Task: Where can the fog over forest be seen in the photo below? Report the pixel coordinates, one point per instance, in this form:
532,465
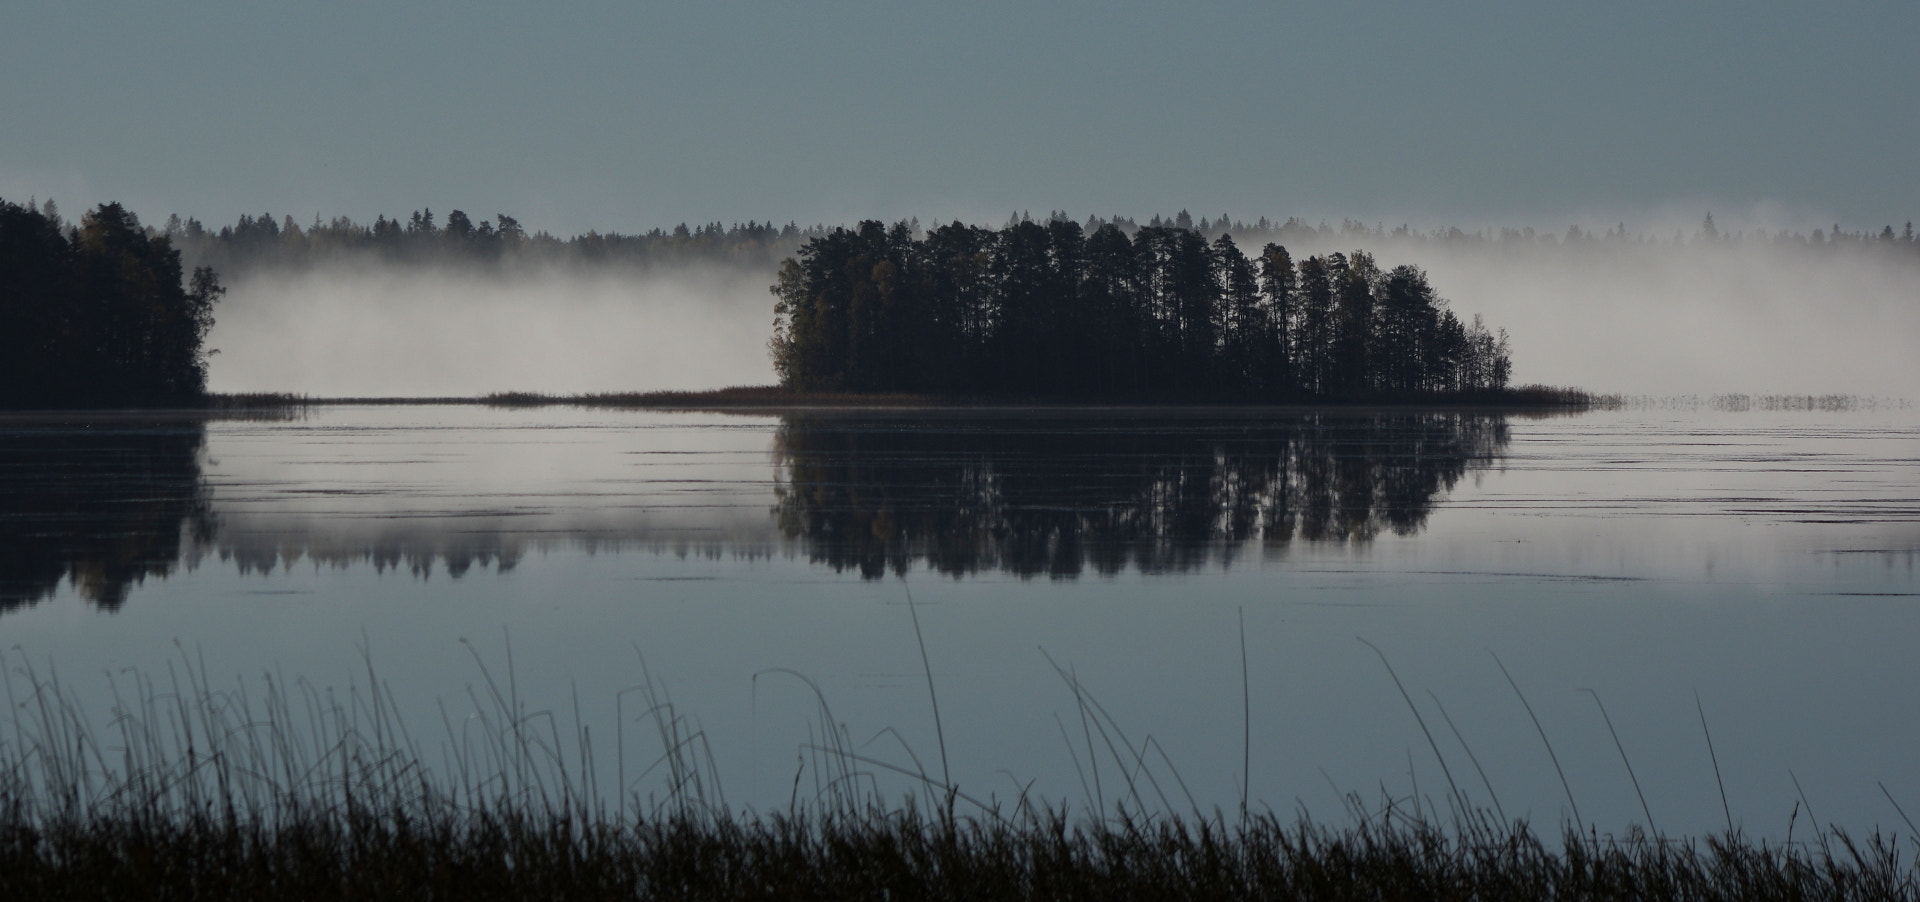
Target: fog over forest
1672,310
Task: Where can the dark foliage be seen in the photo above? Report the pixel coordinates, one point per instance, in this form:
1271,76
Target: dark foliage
963,494
98,315
1047,310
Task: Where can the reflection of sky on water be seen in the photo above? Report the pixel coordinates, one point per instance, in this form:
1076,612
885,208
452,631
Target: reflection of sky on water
1762,559
445,490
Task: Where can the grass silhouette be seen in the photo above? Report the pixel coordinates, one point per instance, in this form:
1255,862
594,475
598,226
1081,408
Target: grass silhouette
289,791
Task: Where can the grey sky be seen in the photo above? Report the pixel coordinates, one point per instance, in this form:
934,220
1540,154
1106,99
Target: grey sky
626,116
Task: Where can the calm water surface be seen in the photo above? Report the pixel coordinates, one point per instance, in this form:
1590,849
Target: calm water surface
1762,562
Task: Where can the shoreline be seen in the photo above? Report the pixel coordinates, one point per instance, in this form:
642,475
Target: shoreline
743,398
1532,399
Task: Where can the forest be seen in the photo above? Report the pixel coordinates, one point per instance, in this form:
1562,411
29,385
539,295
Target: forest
1048,310
97,315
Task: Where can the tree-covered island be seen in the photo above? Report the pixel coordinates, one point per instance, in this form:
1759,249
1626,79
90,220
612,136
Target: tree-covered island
101,313
1049,311
98,315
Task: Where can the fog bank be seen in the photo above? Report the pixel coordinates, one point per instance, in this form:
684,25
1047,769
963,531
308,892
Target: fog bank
1661,319
1636,318
387,330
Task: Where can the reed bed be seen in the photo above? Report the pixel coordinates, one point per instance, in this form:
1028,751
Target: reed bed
897,854
287,791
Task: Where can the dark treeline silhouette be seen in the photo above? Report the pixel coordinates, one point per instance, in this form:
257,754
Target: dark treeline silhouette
1295,231
281,241
96,315
268,242
98,503
1041,496
1049,310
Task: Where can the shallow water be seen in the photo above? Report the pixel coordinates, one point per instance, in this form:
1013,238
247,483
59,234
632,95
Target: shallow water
1760,561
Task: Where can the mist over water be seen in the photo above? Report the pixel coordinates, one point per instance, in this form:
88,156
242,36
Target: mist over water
1745,320
1655,318
399,330
1765,559
1661,319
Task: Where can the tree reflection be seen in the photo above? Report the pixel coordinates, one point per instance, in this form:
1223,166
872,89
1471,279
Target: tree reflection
1037,496
100,503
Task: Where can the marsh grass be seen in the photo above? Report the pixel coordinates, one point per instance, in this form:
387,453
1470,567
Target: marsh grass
284,790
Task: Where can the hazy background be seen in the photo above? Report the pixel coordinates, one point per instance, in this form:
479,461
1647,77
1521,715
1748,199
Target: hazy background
627,117
621,116
1655,320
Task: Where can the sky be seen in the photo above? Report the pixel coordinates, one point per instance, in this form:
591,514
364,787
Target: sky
630,116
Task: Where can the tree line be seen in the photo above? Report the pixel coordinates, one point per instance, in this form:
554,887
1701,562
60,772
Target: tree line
98,314
1297,231
267,241
1049,310
282,241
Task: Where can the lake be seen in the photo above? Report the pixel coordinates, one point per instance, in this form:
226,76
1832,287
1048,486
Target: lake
1158,608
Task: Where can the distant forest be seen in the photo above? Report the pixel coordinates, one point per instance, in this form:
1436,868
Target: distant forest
98,314
1049,310
280,241
114,312
267,242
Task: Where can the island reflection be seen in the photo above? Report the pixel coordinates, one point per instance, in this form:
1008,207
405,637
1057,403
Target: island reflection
96,505
1049,495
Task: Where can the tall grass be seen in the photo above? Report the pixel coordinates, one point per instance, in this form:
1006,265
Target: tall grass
281,789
